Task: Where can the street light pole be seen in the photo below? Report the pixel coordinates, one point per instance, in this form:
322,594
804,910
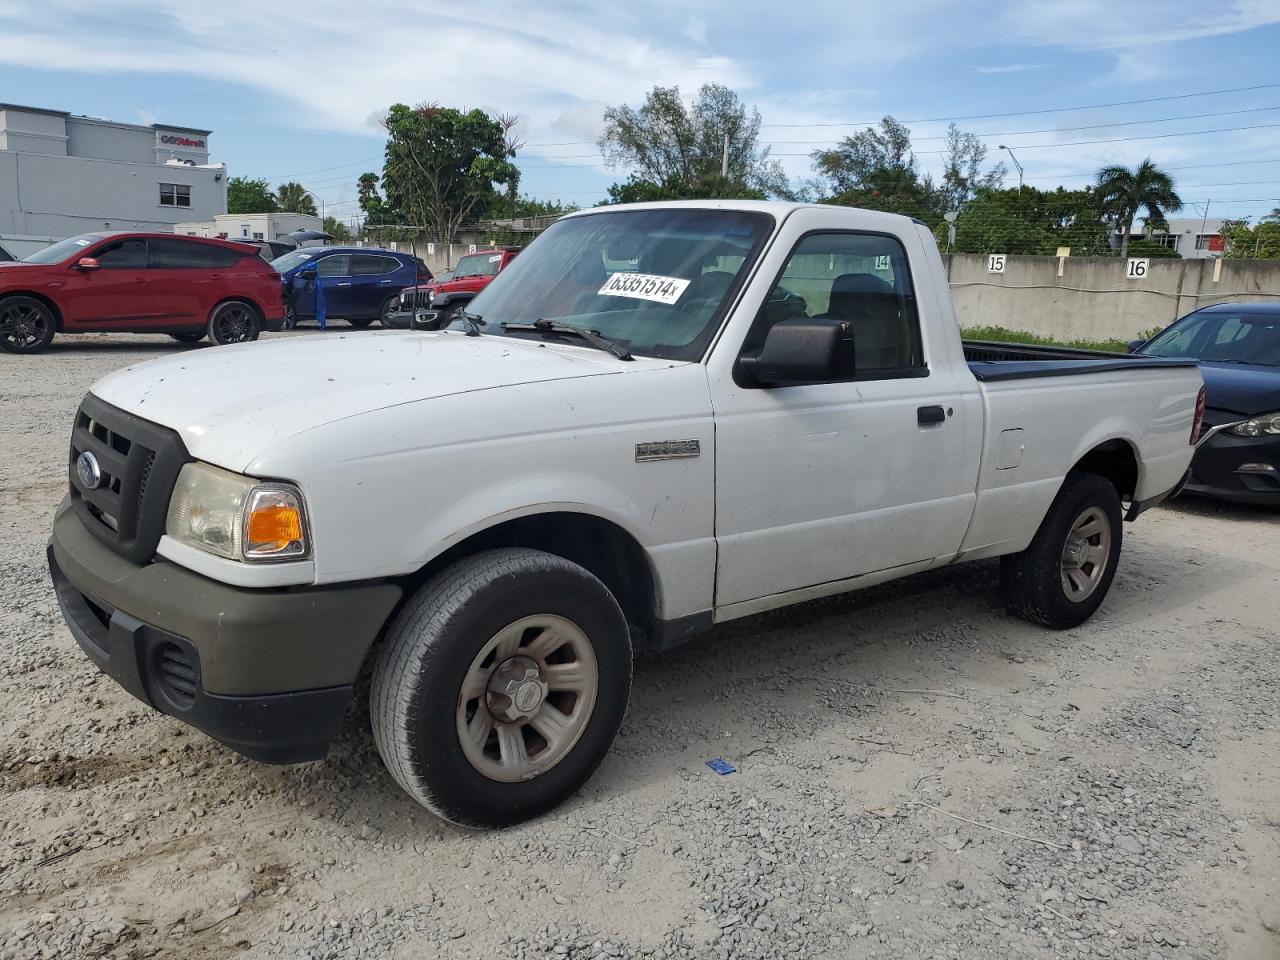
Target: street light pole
1015,163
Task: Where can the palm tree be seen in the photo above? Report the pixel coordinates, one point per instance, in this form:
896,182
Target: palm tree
293,198
1273,216
1124,192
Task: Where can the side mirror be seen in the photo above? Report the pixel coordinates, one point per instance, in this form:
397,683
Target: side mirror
425,320
1135,345
88,263
802,351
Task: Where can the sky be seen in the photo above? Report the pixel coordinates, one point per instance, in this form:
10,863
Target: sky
293,93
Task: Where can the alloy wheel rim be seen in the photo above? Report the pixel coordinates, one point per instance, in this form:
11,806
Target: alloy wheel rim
1085,554
22,325
527,698
234,325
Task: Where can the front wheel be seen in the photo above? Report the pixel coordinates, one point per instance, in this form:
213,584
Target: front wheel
26,325
194,336
388,305
1064,575
234,322
501,685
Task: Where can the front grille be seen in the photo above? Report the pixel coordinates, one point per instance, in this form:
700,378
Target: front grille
176,673
415,299
138,462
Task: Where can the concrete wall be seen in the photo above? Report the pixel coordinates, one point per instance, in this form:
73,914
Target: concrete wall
1093,299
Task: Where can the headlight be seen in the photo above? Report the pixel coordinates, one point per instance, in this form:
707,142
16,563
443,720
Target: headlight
237,517
1267,425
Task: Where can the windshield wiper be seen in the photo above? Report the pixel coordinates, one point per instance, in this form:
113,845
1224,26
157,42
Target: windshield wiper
590,336
473,321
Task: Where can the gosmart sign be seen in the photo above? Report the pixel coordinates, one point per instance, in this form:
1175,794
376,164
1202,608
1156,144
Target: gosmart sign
177,140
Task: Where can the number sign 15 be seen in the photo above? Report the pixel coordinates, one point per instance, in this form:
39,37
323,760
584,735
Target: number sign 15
995,262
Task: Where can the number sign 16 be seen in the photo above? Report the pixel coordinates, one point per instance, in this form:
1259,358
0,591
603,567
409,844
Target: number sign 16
1137,268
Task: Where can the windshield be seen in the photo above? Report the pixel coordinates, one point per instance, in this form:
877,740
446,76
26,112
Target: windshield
62,250
655,281
478,265
290,260
1221,336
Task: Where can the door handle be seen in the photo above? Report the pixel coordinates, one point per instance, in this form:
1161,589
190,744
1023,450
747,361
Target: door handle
342,284
930,415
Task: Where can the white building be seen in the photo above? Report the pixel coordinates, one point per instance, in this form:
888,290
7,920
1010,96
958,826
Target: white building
250,226
62,174
1195,239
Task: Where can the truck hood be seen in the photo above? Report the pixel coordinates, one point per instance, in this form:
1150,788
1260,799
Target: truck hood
231,403
1248,389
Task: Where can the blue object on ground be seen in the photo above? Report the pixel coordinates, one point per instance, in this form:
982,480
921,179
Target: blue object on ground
722,767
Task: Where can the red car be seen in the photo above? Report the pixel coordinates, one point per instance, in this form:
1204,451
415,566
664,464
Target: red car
187,287
451,292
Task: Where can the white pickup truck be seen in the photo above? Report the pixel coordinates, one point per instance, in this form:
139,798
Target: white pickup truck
661,417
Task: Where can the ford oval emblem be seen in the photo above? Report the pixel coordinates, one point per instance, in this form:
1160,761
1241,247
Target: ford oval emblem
88,471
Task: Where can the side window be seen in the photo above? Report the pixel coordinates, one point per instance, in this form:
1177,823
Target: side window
368,265
128,254
859,278
335,266
178,255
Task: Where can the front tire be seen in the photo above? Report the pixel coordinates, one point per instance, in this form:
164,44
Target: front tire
192,337
234,322
1062,578
388,305
500,687
26,325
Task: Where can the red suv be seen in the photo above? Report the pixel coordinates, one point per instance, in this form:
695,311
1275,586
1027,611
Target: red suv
187,287
451,292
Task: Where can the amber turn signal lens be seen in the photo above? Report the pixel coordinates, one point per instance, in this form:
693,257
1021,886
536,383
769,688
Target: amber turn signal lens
276,525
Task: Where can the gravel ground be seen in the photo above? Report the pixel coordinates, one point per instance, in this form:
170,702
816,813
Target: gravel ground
919,776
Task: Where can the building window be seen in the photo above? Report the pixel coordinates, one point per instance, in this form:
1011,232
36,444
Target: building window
244,230
1169,240
175,195
1208,241
257,235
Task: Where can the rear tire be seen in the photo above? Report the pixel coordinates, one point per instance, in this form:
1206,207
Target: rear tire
445,674
234,322
26,325
192,337
1062,578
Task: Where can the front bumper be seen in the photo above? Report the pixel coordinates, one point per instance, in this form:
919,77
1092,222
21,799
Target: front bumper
269,673
1234,468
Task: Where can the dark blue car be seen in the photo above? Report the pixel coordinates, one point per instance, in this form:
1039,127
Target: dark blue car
1238,346
361,284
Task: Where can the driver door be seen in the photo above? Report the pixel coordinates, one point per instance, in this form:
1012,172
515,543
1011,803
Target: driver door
116,293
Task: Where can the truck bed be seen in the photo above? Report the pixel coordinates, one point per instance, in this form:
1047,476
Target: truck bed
992,361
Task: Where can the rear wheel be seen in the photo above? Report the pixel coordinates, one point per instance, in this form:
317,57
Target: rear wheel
26,325
1064,575
234,322
501,686
388,305
192,337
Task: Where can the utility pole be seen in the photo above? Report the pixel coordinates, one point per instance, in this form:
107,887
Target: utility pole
724,159
1205,219
1016,164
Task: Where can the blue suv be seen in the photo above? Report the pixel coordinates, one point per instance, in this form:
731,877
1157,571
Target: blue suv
361,284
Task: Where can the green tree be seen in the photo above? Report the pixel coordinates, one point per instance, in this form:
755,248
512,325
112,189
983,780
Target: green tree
293,197
666,141
1243,242
442,164
522,207
336,228
636,189
376,210
245,195
962,174
876,169
1031,222
1125,192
